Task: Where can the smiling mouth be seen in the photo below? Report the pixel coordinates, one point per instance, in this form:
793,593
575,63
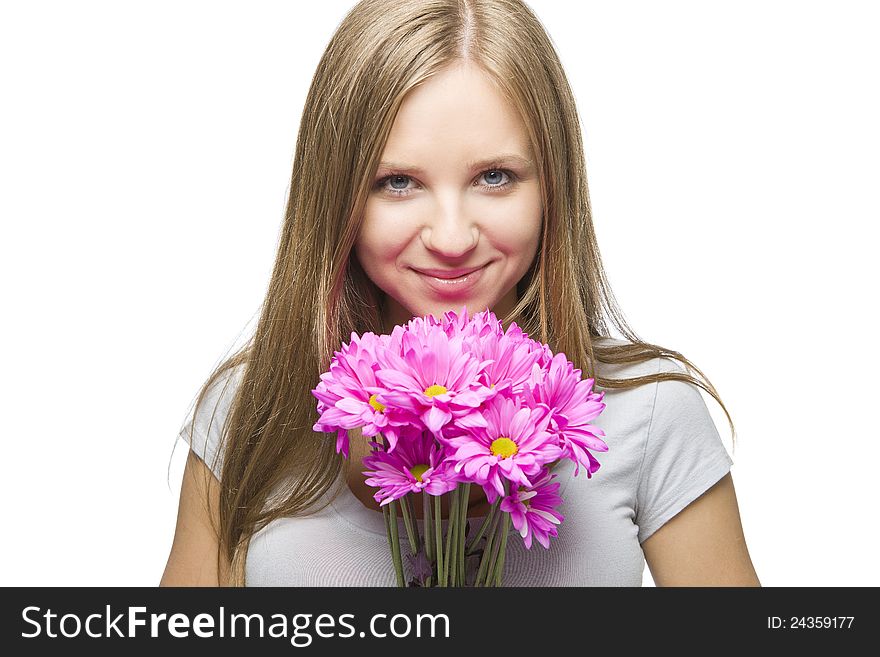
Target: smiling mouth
441,275
456,285
450,281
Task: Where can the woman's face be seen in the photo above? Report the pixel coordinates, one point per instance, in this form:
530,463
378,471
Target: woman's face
457,190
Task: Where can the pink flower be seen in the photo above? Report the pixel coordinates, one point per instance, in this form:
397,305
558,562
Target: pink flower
514,445
480,324
532,510
460,399
431,377
416,464
348,395
512,355
559,386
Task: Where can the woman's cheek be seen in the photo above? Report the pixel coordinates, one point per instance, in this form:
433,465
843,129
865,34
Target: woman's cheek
377,249
383,220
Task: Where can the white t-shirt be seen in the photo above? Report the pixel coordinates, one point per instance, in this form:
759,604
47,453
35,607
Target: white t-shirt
664,451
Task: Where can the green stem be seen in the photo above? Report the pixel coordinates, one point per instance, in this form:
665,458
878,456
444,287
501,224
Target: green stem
395,544
427,520
386,515
484,559
411,532
410,505
449,562
438,537
483,527
499,570
500,530
449,566
496,542
462,534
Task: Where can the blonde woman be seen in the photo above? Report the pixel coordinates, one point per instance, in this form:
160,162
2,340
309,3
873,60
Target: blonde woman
439,164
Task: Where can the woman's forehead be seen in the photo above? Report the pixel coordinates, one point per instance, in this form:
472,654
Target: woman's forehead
458,113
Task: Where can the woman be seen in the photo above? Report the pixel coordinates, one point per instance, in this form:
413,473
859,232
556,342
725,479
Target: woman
439,164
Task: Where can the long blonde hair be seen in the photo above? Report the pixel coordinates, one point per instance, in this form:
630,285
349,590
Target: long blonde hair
274,465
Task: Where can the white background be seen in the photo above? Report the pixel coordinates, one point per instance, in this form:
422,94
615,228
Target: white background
145,153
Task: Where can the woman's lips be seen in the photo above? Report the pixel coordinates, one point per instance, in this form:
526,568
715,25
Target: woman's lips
448,273
448,284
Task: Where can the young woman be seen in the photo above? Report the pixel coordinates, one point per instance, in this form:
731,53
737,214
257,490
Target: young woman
439,164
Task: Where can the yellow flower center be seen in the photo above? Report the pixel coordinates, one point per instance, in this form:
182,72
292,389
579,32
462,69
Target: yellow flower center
418,470
503,447
375,404
434,390
492,386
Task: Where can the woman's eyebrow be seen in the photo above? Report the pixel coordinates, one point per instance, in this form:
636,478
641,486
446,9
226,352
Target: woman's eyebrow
498,160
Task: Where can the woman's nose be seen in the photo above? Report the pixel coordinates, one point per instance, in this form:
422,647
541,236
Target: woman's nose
450,233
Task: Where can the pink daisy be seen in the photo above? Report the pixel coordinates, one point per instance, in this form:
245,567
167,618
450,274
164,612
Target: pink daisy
348,395
514,445
430,376
512,353
560,387
532,510
479,324
416,464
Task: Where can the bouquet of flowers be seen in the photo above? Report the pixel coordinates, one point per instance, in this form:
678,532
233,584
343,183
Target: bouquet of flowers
457,402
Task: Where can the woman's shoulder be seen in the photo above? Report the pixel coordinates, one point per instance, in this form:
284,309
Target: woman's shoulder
629,370
226,381
203,429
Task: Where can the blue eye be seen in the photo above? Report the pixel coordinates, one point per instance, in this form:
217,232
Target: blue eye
397,179
495,177
494,173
